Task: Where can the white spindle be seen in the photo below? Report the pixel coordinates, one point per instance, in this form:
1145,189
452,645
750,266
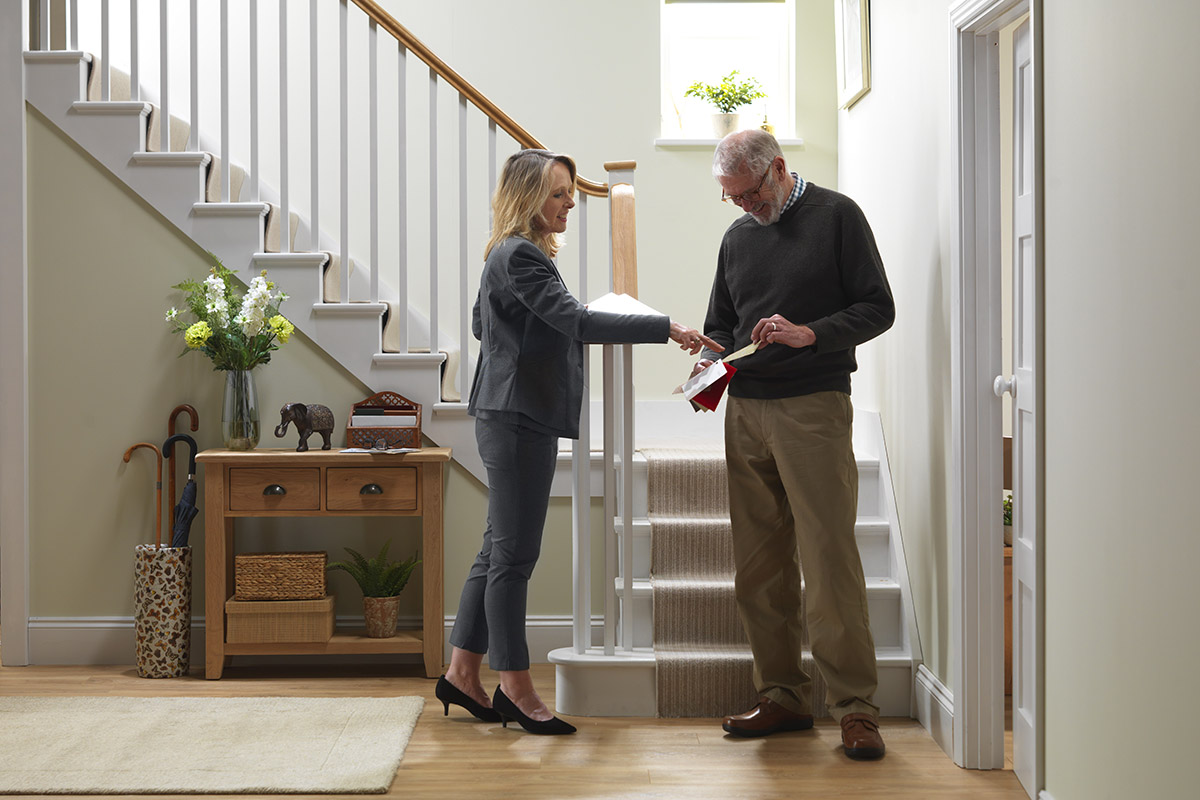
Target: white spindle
581,494
627,611
344,67
285,205
164,75
43,24
74,24
194,79
491,164
225,170
251,189
463,285
373,125
135,91
610,507
105,69
402,191
433,213
581,509
314,139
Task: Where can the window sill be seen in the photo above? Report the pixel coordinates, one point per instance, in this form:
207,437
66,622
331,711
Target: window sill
679,143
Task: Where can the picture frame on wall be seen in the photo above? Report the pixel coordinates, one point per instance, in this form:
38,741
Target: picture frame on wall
852,27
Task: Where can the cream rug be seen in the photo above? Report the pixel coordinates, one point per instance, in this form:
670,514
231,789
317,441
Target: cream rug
202,745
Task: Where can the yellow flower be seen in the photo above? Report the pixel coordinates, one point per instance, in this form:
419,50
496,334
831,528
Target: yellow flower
197,335
281,327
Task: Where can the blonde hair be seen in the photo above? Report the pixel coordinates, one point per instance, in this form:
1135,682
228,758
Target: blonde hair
525,183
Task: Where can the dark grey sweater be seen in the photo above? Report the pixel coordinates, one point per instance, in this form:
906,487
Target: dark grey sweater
817,266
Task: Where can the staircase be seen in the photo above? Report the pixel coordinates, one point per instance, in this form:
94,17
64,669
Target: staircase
404,328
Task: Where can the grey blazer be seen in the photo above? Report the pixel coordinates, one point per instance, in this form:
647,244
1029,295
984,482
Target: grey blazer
532,332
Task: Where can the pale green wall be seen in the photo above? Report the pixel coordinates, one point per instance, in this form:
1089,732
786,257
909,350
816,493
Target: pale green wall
895,162
104,374
1121,108
1122,379
582,76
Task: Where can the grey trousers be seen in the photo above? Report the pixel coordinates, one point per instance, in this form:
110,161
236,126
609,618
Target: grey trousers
491,611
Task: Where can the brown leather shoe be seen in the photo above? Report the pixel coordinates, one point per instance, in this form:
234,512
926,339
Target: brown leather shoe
860,735
765,718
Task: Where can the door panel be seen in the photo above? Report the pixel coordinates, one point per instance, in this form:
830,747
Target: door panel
1027,576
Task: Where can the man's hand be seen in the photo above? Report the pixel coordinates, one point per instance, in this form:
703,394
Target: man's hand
701,365
775,329
692,340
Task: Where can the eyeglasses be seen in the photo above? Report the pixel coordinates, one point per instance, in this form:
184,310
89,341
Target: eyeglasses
738,199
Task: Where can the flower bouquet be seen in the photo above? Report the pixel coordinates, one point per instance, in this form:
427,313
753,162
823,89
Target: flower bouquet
238,334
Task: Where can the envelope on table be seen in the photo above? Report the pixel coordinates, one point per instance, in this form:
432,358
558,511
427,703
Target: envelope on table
706,388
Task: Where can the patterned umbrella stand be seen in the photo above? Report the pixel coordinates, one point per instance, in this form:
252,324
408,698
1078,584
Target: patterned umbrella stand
162,599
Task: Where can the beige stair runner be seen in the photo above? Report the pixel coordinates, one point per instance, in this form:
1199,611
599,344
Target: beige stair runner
704,666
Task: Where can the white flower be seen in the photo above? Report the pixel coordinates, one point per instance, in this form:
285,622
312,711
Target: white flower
215,305
172,313
252,317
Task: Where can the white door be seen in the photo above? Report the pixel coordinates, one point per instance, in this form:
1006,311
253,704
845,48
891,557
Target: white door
1027,534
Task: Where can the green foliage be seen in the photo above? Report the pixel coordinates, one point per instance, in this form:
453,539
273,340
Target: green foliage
1008,509
729,94
378,577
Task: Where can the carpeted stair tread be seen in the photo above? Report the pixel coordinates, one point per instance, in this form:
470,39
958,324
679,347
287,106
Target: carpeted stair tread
687,481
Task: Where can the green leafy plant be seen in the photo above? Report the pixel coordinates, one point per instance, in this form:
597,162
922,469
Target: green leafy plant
378,577
729,94
1008,509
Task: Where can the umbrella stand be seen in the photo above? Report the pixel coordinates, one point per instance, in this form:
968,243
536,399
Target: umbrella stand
162,598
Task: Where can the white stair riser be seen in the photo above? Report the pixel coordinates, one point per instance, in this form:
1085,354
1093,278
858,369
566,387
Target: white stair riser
609,687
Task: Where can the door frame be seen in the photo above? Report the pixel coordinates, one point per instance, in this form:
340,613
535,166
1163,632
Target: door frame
977,563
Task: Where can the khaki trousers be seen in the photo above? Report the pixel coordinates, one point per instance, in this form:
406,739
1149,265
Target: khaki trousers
793,499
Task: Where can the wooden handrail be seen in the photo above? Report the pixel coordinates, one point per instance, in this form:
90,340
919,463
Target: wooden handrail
418,48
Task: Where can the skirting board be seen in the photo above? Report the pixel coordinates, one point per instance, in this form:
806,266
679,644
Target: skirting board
935,708
110,640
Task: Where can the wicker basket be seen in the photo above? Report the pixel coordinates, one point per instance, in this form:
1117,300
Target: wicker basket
384,438
279,576
279,621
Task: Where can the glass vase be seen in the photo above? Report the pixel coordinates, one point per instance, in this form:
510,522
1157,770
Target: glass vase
239,412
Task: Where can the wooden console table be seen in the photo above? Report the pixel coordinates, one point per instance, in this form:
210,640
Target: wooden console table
321,483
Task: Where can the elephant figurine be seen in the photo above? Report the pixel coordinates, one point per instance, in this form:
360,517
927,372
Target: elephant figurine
308,418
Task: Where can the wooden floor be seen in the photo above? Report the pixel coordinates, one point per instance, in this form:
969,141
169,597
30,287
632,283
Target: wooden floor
453,757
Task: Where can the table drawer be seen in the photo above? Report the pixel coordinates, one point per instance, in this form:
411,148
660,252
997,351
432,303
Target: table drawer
372,488
274,489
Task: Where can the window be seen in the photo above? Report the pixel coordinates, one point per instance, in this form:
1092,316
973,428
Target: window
704,40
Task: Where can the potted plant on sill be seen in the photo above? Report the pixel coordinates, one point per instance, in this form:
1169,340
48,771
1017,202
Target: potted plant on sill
1008,501
727,96
381,582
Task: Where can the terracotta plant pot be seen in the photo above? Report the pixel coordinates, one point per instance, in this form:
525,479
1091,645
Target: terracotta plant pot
380,614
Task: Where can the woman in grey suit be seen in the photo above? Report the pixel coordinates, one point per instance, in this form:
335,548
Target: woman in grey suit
527,393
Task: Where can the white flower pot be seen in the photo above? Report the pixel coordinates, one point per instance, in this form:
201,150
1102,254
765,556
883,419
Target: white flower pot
724,124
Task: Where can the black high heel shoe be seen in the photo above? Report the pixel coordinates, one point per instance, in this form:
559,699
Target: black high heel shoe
448,693
509,711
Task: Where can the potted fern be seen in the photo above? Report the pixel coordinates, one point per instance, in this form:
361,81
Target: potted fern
727,96
381,582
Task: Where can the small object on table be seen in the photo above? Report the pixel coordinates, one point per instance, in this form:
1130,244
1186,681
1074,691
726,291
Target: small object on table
384,421
308,418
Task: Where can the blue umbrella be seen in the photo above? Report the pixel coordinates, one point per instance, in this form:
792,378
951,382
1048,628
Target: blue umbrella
185,509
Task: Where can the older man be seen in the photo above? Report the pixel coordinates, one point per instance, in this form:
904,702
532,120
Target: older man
800,275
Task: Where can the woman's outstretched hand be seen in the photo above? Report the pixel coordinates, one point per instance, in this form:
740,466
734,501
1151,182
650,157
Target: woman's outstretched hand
692,340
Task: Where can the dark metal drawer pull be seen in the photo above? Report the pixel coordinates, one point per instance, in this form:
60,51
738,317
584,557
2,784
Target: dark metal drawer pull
274,488
371,488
